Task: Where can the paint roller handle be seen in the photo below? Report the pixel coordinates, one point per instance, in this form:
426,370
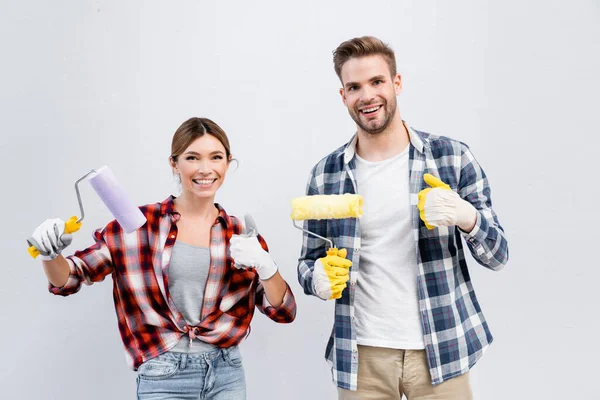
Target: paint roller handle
71,225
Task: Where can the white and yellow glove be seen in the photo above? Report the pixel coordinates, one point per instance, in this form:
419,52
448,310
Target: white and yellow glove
331,273
441,206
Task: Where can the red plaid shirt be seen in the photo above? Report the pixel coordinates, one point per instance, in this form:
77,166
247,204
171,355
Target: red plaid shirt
149,322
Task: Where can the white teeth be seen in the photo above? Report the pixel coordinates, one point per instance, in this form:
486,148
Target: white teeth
368,110
203,181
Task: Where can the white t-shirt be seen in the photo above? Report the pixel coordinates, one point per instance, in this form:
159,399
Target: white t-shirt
386,301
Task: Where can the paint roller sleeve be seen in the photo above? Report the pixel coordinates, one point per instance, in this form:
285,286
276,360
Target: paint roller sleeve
327,207
117,200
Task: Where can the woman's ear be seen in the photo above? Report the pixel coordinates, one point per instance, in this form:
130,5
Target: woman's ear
173,164
237,163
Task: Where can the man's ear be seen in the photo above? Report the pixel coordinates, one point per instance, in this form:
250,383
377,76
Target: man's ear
398,84
343,94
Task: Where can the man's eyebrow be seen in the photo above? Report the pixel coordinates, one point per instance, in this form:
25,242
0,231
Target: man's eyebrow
377,78
372,79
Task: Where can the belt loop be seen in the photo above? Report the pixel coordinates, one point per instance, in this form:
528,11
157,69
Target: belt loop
183,360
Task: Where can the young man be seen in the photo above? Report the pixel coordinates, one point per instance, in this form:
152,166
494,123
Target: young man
408,323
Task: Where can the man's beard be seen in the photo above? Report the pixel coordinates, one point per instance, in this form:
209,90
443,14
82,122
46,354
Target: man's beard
388,108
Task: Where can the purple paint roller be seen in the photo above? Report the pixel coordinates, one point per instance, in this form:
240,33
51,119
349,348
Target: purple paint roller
116,199
104,182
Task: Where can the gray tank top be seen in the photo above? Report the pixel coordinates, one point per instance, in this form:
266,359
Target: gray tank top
188,272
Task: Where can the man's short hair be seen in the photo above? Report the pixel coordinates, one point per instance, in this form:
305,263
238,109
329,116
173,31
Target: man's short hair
362,47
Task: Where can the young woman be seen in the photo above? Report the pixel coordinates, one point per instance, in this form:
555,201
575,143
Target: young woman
185,284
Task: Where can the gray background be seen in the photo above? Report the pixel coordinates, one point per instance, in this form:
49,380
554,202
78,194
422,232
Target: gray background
88,83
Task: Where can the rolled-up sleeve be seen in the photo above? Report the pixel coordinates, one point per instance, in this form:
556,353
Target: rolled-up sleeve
313,247
86,267
285,313
487,241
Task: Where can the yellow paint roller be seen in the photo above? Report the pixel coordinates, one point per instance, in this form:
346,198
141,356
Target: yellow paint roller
332,206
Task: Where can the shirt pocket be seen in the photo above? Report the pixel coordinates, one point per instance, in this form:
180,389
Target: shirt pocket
424,232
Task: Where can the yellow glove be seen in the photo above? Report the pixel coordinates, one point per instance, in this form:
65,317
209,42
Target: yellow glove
439,205
331,273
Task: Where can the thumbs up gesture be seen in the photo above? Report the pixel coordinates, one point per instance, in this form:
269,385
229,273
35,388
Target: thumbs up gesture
441,206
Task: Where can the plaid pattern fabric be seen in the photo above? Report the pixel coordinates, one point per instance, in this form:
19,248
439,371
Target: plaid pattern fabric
149,322
455,331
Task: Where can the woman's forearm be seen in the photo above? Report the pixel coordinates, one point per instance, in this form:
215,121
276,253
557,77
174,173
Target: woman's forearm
275,288
57,271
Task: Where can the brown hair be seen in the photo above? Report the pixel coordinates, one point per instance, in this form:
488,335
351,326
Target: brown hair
361,47
191,130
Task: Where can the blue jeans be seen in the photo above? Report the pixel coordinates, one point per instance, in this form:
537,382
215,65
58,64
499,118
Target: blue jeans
215,375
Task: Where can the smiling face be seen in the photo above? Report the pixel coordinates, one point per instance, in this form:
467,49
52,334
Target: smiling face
202,167
369,92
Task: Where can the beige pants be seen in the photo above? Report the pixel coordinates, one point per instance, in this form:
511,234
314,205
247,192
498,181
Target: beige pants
387,374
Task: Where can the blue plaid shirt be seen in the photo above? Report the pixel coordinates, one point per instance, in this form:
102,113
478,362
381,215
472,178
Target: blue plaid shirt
454,329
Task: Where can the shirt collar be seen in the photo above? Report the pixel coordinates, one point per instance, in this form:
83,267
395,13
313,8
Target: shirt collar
168,207
416,140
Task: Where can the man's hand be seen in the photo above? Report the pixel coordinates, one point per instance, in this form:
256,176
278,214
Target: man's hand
441,206
331,273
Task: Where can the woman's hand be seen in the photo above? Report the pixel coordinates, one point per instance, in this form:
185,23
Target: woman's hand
247,252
